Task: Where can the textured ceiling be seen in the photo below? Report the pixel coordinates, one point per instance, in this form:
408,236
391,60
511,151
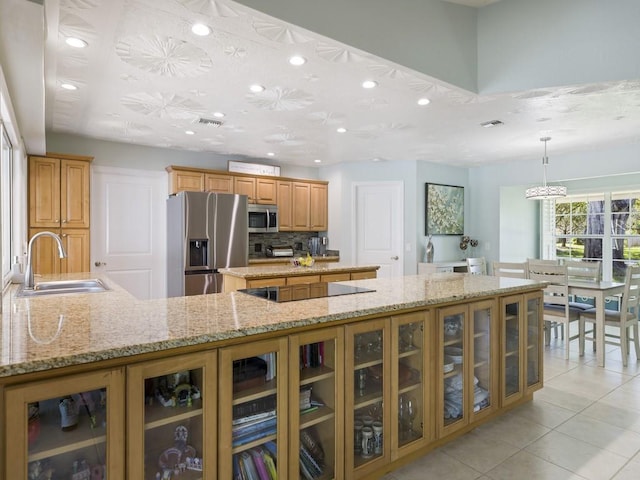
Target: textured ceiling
145,78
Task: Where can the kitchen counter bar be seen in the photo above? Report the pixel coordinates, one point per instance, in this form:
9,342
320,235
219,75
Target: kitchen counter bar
65,330
289,270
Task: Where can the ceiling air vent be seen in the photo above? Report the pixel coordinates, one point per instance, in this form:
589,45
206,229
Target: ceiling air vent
491,123
210,121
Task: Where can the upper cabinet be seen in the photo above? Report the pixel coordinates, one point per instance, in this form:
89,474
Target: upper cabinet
59,192
302,204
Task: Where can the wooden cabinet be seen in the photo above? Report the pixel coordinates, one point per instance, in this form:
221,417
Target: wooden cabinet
59,192
232,283
245,186
171,405
217,183
300,200
367,396
266,191
467,366
65,424
316,407
318,206
285,205
186,181
253,409
59,201
520,349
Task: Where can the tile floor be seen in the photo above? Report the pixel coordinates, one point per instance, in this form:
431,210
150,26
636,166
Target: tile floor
584,424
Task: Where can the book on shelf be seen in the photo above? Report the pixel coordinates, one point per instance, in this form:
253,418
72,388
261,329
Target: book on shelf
249,466
254,418
261,467
308,440
246,429
255,435
305,397
309,464
269,461
271,361
260,405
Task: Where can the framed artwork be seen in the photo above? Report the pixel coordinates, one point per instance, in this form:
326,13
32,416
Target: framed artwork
444,209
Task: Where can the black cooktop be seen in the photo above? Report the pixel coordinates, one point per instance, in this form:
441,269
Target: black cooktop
304,291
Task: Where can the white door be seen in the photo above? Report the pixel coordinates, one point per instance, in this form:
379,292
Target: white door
379,226
128,222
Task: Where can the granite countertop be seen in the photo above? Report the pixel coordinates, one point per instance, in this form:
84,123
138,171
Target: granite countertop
289,270
61,330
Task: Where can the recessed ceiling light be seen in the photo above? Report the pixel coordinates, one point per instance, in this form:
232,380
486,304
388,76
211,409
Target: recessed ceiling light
189,132
369,84
317,160
341,130
424,101
270,154
75,42
69,86
297,60
200,29
218,114
256,88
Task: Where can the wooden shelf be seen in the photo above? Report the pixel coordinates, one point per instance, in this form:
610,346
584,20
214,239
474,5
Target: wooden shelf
254,443
158,416
315,417
409,352
53,441
315,374
268,388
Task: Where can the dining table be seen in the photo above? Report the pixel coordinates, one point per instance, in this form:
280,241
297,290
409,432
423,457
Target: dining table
599,291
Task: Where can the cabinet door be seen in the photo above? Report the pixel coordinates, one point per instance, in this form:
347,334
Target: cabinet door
77,245
218,183
245,186
512,381
253,421
367,397
266,191
186,181
284,203
74,194
318,217
44,192
171,417
316,434
44,255
363,275
70,425
483,386
534,336
453,369
301,206
412,428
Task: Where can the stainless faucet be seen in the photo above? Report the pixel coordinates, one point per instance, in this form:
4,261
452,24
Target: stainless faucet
28,270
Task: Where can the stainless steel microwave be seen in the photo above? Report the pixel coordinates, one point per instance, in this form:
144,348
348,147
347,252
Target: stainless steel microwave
263,218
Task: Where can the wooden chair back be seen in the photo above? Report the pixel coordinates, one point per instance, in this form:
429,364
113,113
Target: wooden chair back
584,270
477,266
510,269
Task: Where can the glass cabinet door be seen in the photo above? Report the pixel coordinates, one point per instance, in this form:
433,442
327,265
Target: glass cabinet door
367,392
171,424
316,440
484,344
453,367
253,411
534,342
412,427
512,381
65,428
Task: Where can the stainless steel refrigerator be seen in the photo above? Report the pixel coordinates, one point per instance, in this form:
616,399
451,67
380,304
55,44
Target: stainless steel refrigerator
205,232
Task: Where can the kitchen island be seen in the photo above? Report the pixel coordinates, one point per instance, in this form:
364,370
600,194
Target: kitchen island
115,349
289,274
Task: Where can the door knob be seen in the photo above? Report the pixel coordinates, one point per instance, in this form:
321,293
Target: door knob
100,264
395,257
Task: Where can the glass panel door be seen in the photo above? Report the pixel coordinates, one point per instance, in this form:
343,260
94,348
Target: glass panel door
484,367
452,327
534,345
511,361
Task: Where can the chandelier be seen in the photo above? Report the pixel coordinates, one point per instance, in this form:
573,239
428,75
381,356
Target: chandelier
546,191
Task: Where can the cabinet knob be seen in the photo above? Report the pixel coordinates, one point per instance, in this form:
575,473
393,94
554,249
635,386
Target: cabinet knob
64,235
64,221
100,264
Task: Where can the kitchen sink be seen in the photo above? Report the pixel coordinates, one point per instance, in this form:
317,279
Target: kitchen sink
63,286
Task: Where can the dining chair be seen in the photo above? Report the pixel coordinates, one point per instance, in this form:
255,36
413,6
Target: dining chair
556,309
624,319
584,271
477,266
509,269
545,261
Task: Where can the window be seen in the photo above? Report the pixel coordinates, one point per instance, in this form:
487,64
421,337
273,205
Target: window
582,229
6,161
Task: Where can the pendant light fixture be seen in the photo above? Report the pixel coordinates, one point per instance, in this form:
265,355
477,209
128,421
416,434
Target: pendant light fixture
545,191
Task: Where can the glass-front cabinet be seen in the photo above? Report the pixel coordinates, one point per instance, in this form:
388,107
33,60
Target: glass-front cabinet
316,408
367,397
70,427
172,418
521,348
467,366
253,406
412,428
